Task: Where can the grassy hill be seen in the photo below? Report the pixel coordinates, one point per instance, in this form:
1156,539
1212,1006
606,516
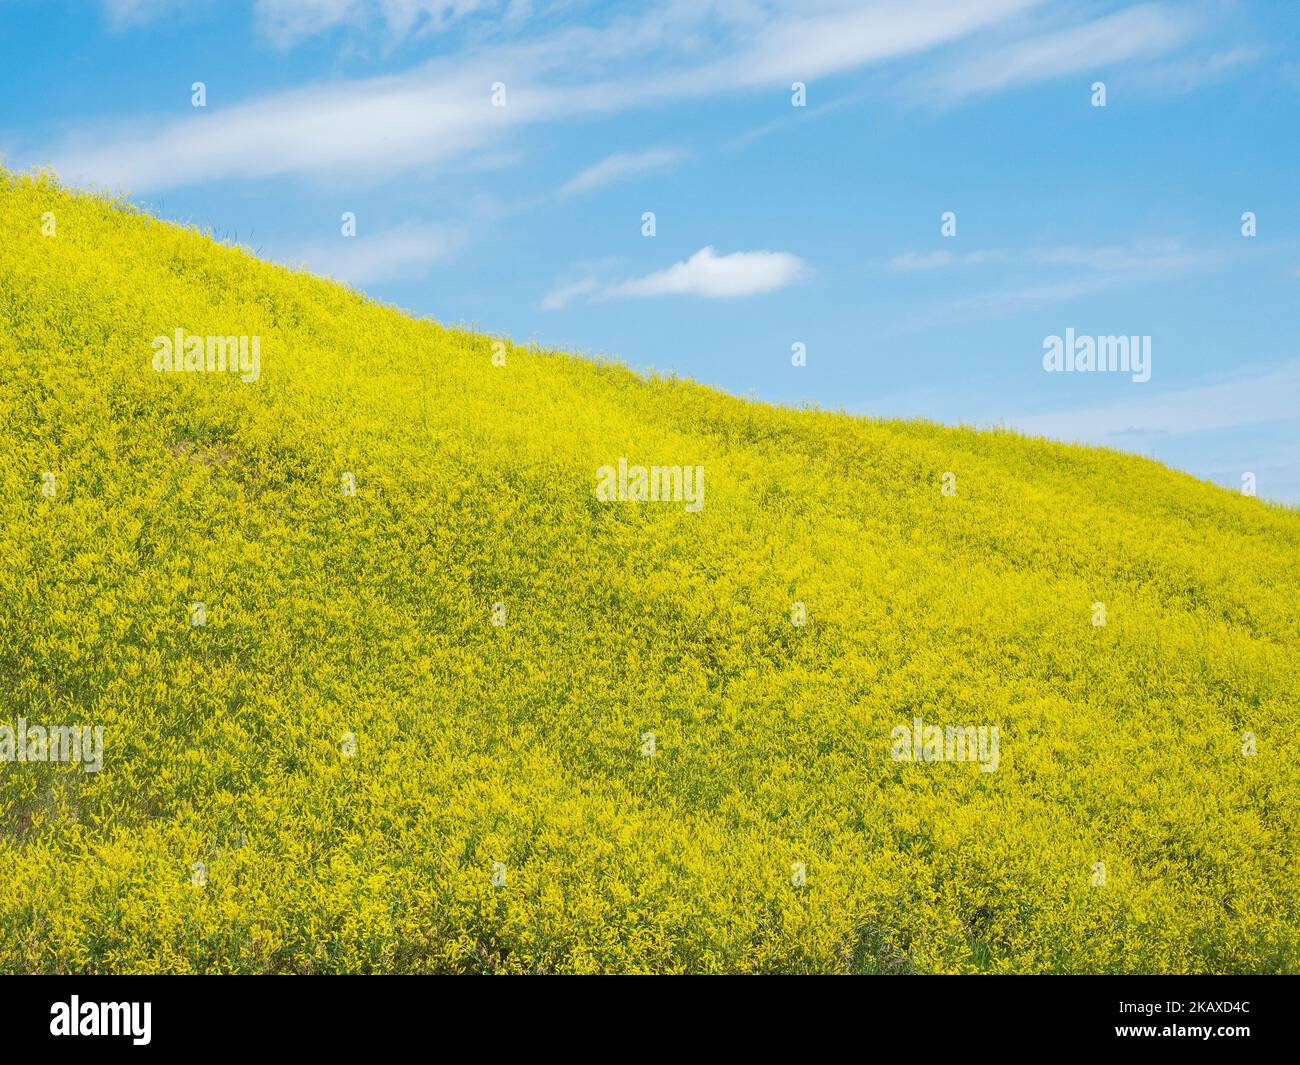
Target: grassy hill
350,743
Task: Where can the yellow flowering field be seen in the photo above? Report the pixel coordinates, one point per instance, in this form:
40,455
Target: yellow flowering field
391,664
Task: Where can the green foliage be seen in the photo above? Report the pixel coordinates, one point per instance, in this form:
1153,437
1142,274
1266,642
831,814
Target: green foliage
521,744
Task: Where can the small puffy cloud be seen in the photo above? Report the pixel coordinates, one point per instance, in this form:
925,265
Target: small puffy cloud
705,274
712,276
622,165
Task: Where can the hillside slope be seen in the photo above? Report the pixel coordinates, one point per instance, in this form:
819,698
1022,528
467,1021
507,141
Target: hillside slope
349,744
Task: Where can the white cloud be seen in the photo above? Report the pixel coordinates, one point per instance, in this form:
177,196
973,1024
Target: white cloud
289,22
705,274
1185,75
1007,301
560,297
125,14
1145,257
912,261
286,22
714,276
1090,269
1266,396
441,110
622,165
1143,30
402,253
921,260
368,128
842,37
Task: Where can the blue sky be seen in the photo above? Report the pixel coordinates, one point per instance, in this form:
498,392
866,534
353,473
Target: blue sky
774,224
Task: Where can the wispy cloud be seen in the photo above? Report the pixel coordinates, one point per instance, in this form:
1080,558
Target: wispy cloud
912,261
1088,268
1145,30
1251,399
1185,75
1003,302
623,165
126,14
401,253
562,295
1147,257
706,274
1144,257
369,128
286,22
441,111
